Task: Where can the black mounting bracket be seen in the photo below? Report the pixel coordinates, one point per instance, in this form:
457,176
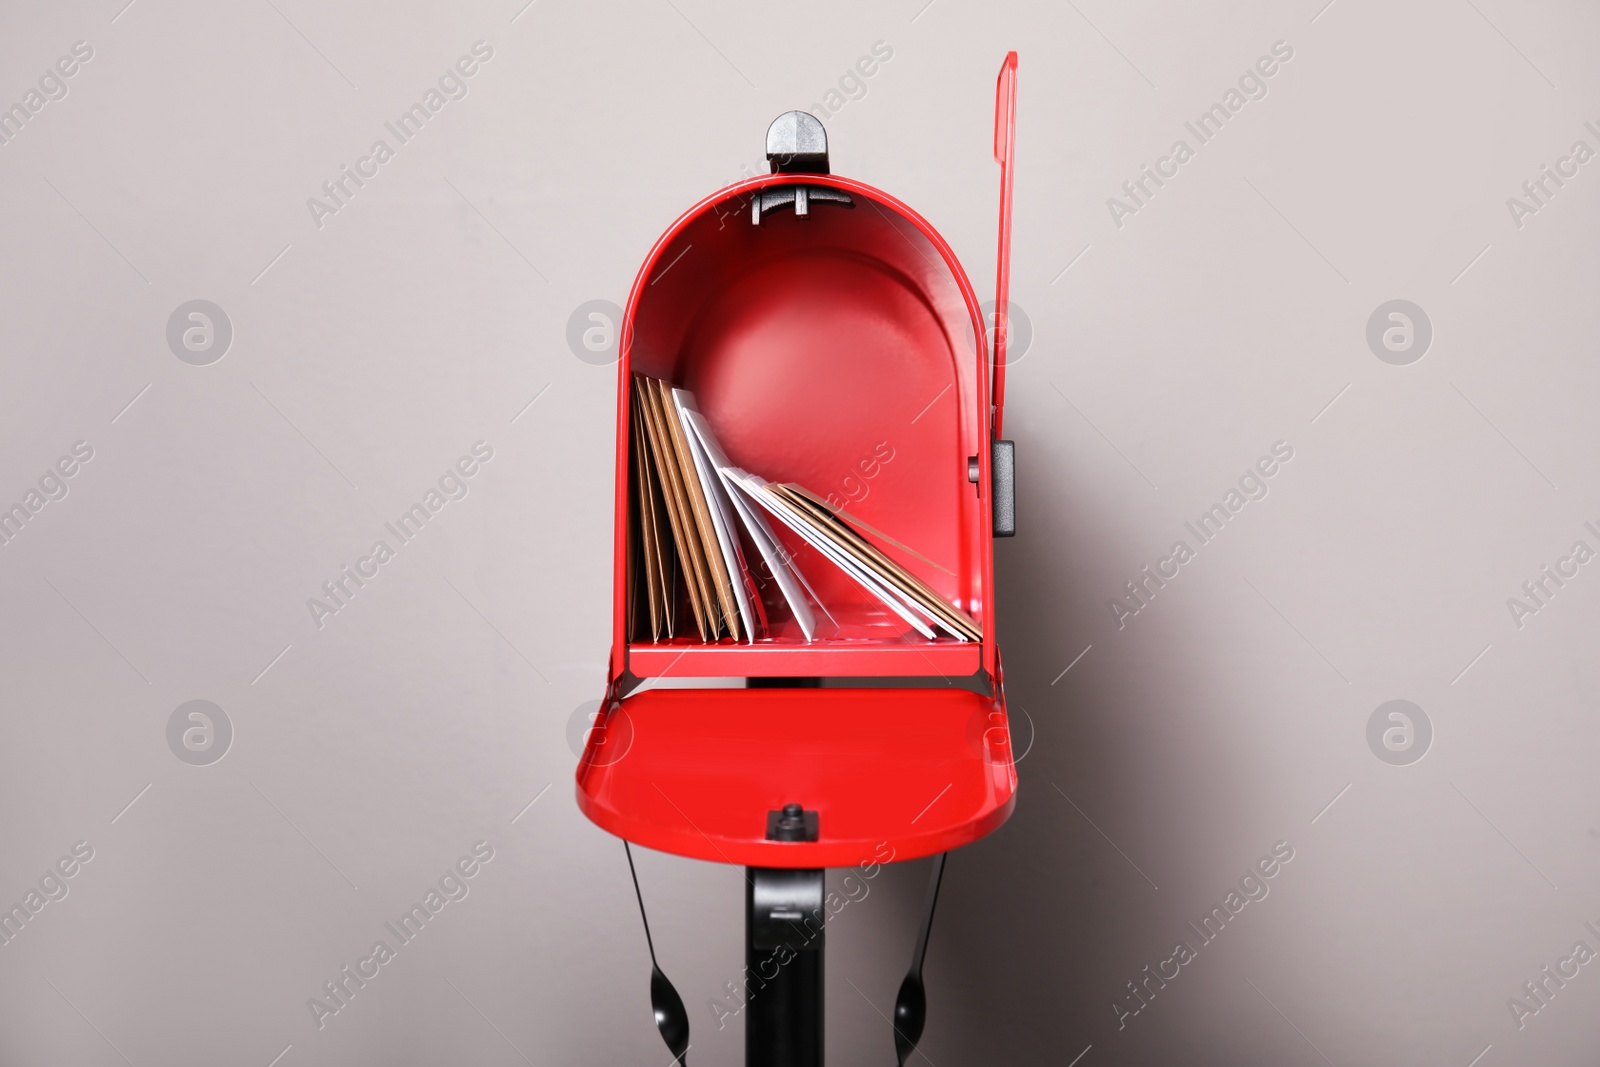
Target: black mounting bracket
784,920
1003,480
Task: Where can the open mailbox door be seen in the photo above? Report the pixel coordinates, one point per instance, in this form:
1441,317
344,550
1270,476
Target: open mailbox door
832,340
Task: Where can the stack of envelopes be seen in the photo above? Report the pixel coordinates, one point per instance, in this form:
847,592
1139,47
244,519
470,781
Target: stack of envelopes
687,495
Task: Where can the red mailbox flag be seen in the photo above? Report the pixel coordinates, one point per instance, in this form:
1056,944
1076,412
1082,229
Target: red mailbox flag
1005,140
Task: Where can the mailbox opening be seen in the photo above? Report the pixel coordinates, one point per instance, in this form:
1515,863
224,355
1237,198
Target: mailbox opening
841,349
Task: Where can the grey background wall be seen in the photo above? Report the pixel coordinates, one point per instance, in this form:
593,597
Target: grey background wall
1175,341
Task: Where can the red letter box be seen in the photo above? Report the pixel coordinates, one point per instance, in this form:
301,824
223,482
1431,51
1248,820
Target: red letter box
832,339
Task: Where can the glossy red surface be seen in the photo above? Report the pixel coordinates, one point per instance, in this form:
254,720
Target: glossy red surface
695,771
844,351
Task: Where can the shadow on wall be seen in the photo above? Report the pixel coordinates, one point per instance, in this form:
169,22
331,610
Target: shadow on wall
1042,923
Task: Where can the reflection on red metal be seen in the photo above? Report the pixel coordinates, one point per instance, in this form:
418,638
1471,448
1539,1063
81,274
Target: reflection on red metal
810,338
925,770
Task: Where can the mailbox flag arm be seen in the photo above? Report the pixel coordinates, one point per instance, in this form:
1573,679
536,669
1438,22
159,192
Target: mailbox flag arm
1005,139
1002,468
